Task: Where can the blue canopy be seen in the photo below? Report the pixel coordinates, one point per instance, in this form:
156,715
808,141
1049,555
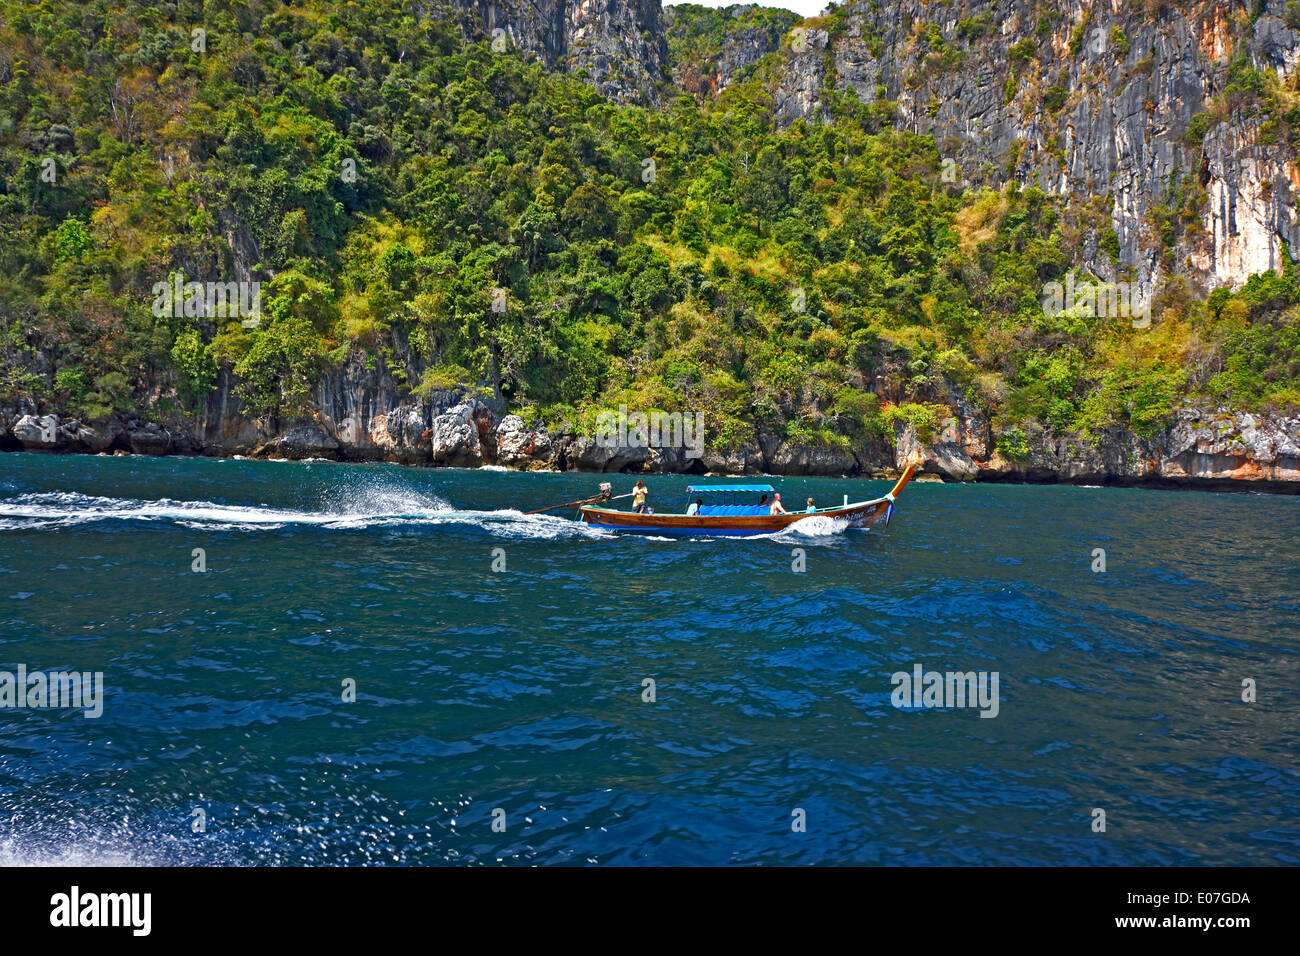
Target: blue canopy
727,489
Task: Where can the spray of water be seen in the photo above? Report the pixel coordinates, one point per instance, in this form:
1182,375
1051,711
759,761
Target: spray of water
347,506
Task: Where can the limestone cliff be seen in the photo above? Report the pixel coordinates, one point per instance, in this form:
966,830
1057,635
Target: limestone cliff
1147,115
619,46
711,48
1167,123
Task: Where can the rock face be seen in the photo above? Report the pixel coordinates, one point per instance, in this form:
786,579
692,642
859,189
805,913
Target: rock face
617,45
1212,447
95,437
944,456
586,454
1250,211
1206,447
520,446
302,441
37,433
746,460
1221,444
711,48
150,438
463,436
790,458
398,434
1094,102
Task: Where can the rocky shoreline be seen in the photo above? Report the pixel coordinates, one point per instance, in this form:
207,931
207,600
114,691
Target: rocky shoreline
1204,448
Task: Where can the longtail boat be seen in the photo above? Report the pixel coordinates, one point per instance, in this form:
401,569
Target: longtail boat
736,510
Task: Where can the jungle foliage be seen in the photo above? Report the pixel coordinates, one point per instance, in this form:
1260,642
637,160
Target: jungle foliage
382,178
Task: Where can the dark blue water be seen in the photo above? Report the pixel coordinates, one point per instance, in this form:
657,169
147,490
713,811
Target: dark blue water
523,689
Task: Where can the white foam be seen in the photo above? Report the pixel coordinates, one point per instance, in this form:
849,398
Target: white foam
346,507
49,841
69,856
814,526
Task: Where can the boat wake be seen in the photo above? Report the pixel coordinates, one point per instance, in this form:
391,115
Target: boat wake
814,526
352,508
96,852
50,840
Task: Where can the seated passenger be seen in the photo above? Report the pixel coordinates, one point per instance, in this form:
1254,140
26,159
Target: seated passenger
777,508
812,509
762,502
694,507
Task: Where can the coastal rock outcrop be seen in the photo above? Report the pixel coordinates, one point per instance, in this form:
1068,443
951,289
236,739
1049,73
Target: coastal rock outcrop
463,436
520,446
150,438
95,437
1209,447
790,458
944,455
1237,446
1212,448
36,433
584,453
397,434
745,460
302,441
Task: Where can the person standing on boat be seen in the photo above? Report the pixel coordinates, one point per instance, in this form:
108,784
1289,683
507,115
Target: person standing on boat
694,507
812,508
638,496
777,508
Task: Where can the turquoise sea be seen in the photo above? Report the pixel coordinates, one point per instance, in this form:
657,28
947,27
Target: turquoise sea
501,716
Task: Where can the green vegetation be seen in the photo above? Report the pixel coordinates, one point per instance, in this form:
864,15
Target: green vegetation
1054,97
1248,91
941,55
1019,54
1014,444
975,28
1109,243
1119,41
1197,127
1078,33
688,257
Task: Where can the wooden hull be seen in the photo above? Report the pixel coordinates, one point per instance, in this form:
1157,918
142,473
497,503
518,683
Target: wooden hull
862,514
